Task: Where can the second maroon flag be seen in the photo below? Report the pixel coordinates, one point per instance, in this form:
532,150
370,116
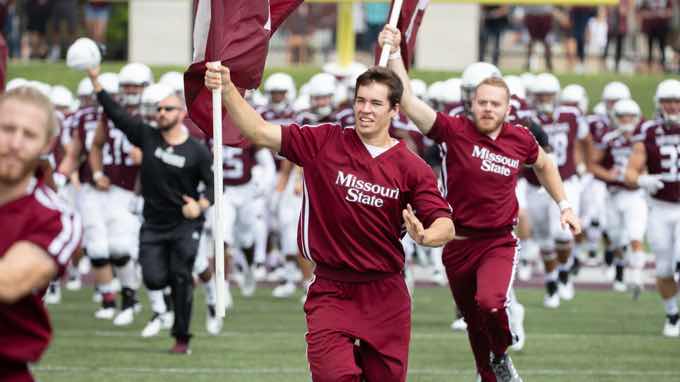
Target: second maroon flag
236,33
412,12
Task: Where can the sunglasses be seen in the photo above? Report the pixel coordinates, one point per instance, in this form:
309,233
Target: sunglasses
166,108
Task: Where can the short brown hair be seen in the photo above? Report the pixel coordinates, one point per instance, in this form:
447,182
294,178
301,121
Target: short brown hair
496,82
30,95
384,76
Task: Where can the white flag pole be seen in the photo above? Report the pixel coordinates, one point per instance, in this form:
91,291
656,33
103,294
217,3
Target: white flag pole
218,207
394,18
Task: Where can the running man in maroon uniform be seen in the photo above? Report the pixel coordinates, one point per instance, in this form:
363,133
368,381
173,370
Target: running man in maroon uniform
39,233
360,187
483,160
656,149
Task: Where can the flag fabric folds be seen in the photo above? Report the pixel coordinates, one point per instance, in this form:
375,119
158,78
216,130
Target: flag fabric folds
412,12
236,33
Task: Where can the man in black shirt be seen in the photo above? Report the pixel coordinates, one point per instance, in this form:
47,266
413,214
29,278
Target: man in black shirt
173,164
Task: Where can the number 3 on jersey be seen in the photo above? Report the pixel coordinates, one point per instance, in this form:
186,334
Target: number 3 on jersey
669,162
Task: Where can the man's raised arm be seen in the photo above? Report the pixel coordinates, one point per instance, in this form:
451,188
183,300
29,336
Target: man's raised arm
416,109
245,118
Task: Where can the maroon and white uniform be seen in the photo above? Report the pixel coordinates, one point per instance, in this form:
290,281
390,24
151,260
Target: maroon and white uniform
662,146
594,192
403,129
480,176
565,127
40,218
111,231
626,206
345,115
519,110
350,226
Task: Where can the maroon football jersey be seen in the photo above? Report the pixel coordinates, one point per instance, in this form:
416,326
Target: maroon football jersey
238,163
480,173
116,155
617,149
345,116
85,125
598,126
194,130
351,218
401,126
306,117
519,110
282,117
662,144
564,127
41,219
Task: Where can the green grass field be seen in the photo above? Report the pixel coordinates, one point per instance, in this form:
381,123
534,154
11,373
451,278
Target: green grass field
642,86
601,336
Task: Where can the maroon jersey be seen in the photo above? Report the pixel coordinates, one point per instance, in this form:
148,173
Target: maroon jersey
116,157
598,126
306,117
345,116
662,144
351,218
277,117
519,110
41,219
402,128
238,163
457,108
194,130
617,149
480,173
564,127
85,125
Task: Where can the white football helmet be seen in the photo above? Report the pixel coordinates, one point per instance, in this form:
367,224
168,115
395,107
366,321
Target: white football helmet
419,88
175,80
451,91
528,80
255,98
434,95
321,85
473,75
615,91
280,82
109,82
152,95
668,90
545,92
83,54
626,107
42,87
85,88
515,86
61,97
15,83
600,109
574,94
132,79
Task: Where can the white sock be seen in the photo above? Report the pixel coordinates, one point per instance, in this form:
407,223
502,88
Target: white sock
550,276
291,269
671,305
127,274
210,291
157,301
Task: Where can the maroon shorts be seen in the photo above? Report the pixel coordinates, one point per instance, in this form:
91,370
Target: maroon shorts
358,331
480,272
538,25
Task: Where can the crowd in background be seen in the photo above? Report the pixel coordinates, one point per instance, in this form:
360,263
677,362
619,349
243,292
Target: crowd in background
635,35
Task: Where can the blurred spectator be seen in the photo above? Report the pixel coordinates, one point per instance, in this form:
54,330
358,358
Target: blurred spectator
97,14
376,17
495,18
539,21
324,18
299,30
63,24
655,20
576,43
596,33
617,27
34,42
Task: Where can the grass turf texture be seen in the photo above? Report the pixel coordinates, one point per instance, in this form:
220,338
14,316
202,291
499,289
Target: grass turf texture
600,336
642,86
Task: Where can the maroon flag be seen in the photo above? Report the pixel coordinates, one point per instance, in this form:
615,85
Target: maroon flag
412,12
236,33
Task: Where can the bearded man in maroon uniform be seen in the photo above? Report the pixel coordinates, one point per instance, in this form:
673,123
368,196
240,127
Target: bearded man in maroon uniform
39,233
